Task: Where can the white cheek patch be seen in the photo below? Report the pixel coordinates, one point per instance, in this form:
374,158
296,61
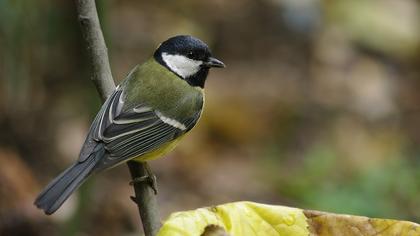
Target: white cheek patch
181,65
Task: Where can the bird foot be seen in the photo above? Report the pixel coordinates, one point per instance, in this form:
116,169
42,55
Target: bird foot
149,178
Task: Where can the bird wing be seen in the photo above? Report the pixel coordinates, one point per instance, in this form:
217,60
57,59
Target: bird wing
127,134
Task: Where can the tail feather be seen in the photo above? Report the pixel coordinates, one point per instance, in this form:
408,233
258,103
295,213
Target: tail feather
57,192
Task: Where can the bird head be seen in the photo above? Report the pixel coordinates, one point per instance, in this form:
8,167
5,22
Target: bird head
188,57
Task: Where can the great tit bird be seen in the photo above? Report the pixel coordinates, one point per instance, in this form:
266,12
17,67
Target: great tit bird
144,118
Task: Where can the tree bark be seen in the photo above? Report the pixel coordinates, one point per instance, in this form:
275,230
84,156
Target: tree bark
97,50
145,197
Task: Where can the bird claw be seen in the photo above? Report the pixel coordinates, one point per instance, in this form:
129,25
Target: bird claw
153,183
150,178
138,180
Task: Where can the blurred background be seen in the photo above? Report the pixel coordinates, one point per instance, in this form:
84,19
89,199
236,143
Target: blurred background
318,108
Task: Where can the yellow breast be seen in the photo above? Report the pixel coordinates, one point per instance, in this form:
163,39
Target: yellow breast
161,151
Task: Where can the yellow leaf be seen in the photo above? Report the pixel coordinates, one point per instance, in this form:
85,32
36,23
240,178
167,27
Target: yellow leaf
252,219
240,218
329,224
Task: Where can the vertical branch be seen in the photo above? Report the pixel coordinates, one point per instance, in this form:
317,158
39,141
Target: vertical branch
145,197
95,44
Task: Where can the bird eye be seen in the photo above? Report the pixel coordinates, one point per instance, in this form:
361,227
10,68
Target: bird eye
190,55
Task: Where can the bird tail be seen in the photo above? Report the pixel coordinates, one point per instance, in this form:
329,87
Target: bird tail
58,190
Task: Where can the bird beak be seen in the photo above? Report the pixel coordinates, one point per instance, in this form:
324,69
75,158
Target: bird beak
213,62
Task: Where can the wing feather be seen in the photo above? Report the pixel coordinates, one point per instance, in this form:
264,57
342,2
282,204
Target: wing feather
130,132
125,142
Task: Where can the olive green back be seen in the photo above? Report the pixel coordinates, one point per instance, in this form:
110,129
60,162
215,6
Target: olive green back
153,85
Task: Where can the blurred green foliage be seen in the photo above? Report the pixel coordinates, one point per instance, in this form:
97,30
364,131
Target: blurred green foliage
318,108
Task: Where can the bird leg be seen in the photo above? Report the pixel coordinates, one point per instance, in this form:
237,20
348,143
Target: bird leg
150,178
